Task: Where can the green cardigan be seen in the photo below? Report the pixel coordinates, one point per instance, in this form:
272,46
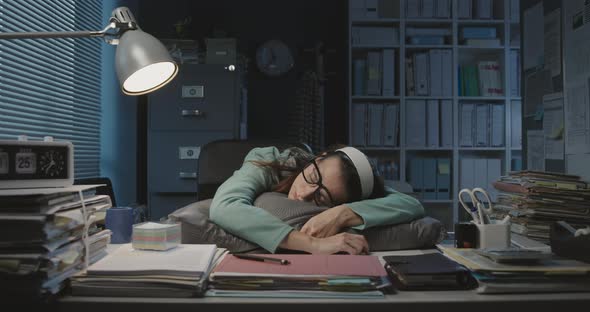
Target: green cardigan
232,205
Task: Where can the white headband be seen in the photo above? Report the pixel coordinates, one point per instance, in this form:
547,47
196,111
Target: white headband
363,168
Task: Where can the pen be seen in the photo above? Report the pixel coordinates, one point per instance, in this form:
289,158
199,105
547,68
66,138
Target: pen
262,259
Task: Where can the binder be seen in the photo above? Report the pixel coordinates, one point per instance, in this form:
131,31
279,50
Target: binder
443,178
421,73
446,123
412,8
466,172
359,78
432,124
429,178
435,77
388,72
443,8
416,123
359,119
497,125
482,135
390,125
431,271
494,172
372,9
464,9
466,134
357,9
410,88
428,7
480,173
375,124
483,9
416,175
515,124
373,73
514,73
447,72
515,11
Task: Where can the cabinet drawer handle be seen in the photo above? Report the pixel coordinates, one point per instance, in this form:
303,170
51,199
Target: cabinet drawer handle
187,175
192,112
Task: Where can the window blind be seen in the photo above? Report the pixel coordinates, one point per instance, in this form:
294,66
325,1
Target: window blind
52,87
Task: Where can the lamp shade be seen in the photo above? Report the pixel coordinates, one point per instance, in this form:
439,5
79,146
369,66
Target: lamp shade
142,63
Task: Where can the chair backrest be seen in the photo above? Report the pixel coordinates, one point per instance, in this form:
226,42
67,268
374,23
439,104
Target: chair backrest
219,159
107,189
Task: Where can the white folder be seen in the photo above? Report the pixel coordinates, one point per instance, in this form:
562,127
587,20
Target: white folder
375,124
388,72
416,123
497,125
359,118
390,125
467,115
446,123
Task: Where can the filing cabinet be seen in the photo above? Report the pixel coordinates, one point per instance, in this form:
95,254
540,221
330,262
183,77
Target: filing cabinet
199,106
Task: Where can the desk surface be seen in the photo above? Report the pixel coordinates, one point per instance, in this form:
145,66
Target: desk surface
402,301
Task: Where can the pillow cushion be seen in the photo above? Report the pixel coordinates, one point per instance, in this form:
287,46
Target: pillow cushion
196,227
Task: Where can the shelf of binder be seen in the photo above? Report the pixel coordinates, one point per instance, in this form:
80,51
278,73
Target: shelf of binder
454,34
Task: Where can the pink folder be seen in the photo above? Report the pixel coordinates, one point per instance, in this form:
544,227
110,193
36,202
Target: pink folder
304,265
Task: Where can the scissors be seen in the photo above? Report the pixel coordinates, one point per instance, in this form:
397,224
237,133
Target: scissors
481,209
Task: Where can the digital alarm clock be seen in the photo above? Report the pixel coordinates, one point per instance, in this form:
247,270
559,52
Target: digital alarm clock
36,164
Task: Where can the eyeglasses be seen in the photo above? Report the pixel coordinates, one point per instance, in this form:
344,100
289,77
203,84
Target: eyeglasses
321,195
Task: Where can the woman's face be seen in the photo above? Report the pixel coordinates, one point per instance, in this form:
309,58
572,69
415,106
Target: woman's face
330,191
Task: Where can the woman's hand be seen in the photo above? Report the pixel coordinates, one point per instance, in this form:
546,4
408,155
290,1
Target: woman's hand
331,222
344,242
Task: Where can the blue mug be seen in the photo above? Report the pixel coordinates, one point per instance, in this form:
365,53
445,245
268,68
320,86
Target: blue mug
120,221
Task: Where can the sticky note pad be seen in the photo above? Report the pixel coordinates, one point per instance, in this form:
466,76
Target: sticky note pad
155,236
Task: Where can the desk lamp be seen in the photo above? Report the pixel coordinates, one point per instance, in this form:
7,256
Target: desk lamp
142,62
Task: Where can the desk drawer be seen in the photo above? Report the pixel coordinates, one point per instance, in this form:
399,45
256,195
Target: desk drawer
202,97
173,157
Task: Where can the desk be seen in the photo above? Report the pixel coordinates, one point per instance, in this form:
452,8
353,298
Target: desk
453,301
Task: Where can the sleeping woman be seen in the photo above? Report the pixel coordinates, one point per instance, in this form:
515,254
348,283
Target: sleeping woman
341,179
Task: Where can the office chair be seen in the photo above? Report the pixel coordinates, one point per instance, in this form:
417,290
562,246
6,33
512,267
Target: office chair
219,159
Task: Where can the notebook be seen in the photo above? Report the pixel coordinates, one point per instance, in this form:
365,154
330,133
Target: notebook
428,271
183,260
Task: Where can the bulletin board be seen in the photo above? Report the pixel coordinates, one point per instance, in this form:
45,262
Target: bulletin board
576,43
543,77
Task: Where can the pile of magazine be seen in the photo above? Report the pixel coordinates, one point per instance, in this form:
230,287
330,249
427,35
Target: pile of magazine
535,200
41,242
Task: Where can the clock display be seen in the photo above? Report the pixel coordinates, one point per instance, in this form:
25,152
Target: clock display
26,163
36,164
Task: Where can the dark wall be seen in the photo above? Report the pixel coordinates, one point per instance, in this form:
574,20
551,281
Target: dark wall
298,23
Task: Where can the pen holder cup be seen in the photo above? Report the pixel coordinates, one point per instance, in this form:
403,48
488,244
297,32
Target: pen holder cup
494,235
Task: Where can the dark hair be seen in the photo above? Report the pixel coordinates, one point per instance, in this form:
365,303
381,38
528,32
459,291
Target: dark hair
352,179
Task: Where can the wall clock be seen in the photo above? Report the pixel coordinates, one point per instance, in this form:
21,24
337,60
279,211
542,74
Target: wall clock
274,58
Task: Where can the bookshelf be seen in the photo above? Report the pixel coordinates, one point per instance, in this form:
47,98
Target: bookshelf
399,161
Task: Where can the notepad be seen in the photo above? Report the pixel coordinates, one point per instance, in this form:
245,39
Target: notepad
184,260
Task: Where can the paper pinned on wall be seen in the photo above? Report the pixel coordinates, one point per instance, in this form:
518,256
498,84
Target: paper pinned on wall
537,84
577,124
552,123
533,41
535,150
552,42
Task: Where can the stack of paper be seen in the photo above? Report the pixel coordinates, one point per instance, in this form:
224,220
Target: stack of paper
548,275
535,200
40,238
178,272
327,276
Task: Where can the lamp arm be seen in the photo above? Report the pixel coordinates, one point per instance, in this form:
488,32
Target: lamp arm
113,24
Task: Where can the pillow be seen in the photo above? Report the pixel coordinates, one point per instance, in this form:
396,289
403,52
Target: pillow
198,229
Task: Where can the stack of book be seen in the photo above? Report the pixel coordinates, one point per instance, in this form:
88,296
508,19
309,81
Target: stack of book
298,275
41,234
178,272
535,200
549,274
